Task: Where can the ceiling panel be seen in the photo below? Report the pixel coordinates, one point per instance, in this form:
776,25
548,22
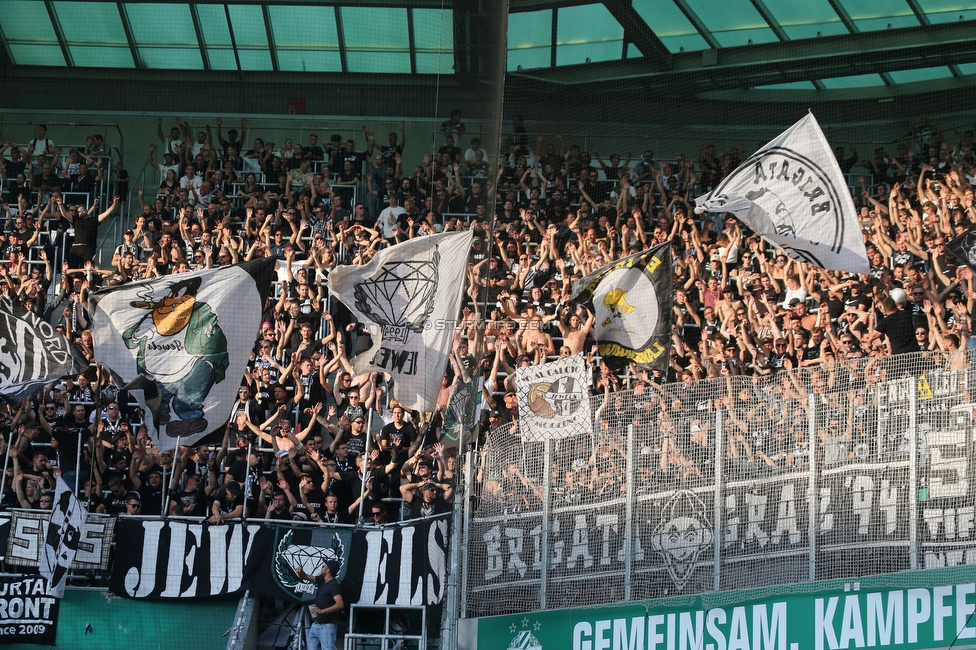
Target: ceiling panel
587,33
90,22
807,19
670,25
296,60
733,22
854,81
920,74
26,21
877,15
530,39
37,54
947,11
375,28
290,27
97,56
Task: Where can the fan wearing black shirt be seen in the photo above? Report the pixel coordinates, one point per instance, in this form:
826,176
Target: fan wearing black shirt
192,500
897,325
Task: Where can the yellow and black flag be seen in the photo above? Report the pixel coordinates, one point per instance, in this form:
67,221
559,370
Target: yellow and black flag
632,300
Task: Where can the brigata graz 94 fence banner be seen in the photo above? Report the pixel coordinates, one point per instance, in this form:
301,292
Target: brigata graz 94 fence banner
729,484
403,565
862,528
917,609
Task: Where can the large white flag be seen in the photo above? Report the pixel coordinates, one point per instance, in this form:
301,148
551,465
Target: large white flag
62,538
792,193
181,343
408,295
554,399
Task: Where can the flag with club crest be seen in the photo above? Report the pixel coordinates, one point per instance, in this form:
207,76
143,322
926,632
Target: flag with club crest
553,398
793,193
408,295
180,343
631,300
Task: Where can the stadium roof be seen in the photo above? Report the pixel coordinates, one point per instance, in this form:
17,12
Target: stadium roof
735,50
743,44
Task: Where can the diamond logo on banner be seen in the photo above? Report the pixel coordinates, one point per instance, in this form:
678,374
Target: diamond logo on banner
401,296
311,557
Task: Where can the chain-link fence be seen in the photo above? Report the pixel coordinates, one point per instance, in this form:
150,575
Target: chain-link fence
861,468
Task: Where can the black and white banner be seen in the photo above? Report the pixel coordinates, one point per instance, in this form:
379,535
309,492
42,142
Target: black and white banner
964,247
27,538
403,565
554,399
632,300
409,296
181,343
28,614
62,538
397,565
793,193
32,354
862,521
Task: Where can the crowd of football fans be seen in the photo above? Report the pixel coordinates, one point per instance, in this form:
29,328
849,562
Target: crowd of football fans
312,440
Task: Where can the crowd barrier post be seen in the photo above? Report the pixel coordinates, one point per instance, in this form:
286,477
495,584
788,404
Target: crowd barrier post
813,499
629,508
717,510
468,497
546,515
913,478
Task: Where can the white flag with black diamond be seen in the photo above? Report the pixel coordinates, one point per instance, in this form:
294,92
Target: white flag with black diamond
409,296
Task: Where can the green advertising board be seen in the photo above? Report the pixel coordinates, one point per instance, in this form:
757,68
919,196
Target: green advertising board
918,609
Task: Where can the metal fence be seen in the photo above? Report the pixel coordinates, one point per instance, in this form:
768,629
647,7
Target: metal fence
861,468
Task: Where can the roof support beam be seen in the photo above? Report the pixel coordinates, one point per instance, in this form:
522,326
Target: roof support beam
637,31
233,41
341,38
919,12
844,16
198,29
56,23
697,24
412,41
127,28
768,17
271,43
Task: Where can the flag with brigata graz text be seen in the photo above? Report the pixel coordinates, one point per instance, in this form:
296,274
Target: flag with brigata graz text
632,302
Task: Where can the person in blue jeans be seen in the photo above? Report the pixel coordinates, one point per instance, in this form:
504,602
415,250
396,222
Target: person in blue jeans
327,610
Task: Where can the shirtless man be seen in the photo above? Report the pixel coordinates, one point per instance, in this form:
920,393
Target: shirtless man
575,330
534,339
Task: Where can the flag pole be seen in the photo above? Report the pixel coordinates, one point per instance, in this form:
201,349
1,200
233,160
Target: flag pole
369,436
165,512
77,462
247,480
6,460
